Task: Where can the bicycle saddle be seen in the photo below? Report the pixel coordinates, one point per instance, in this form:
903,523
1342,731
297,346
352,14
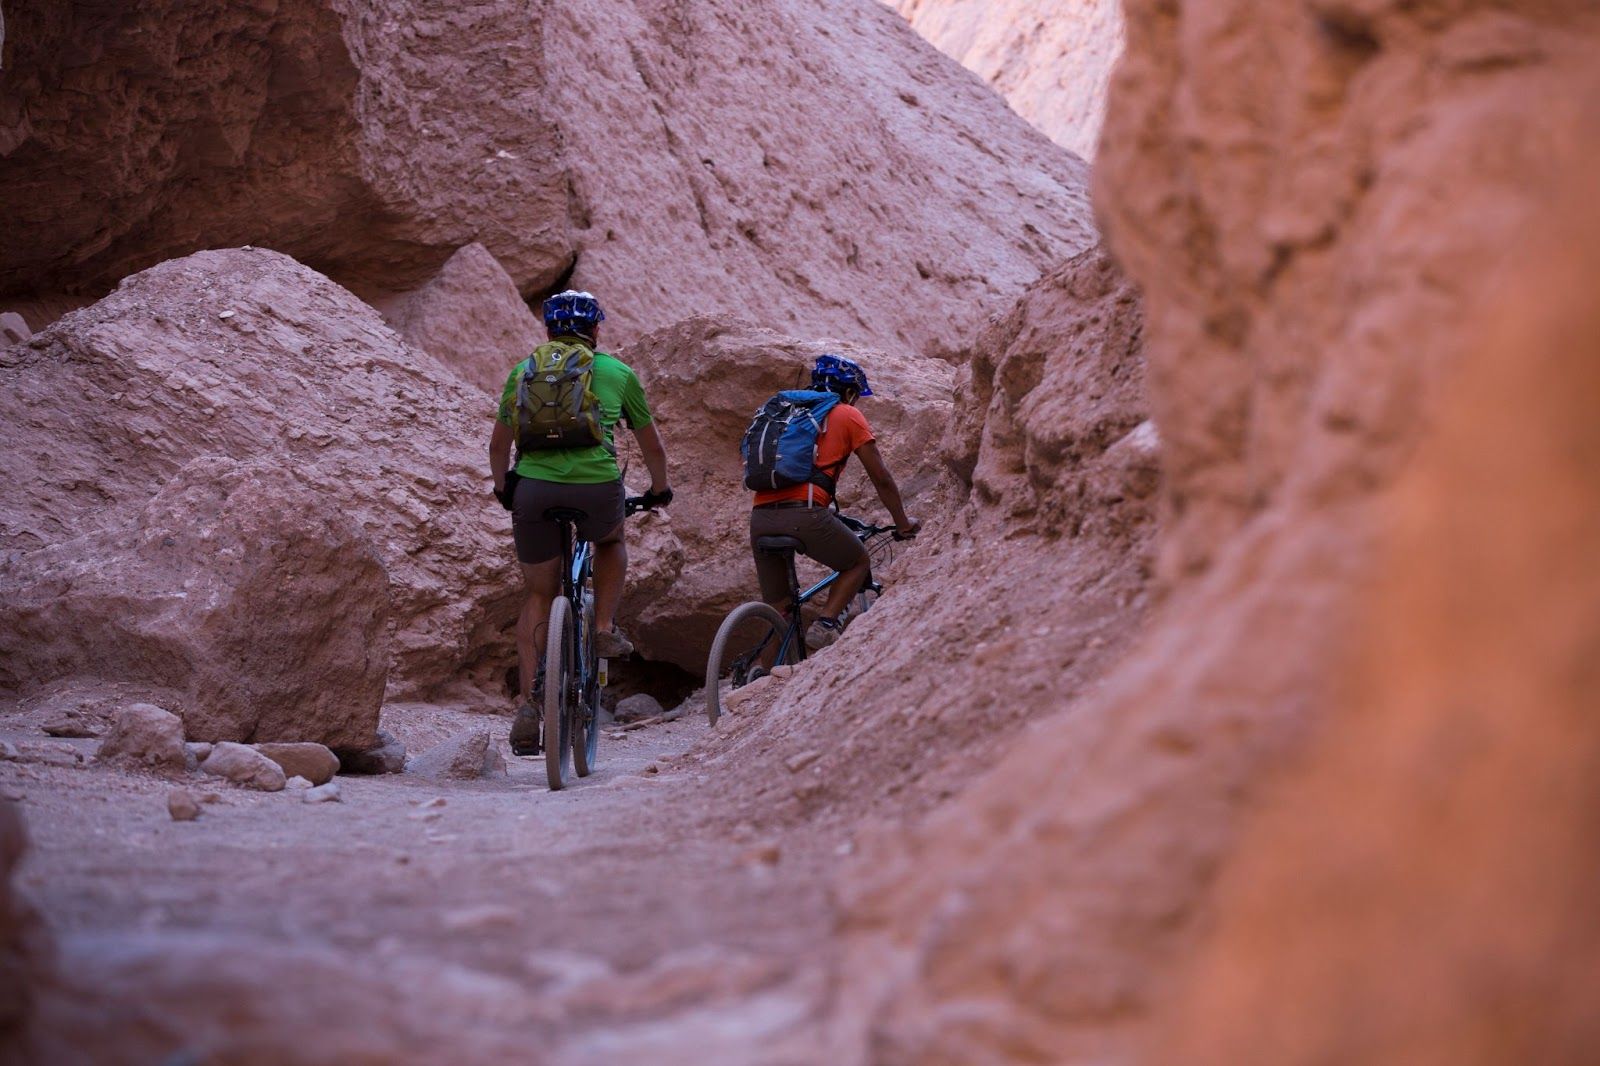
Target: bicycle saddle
779,544
565,514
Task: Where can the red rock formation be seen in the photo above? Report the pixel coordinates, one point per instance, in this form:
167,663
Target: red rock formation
250,356
1311,199
816,165
1425,893
1013,603
241,590
1050,60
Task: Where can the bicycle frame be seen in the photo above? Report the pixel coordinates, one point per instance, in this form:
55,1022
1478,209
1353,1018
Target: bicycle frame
791,632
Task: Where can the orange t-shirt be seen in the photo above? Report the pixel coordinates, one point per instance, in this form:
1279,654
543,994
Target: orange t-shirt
845,430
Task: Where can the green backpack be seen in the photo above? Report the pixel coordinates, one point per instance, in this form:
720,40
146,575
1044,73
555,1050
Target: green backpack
556,404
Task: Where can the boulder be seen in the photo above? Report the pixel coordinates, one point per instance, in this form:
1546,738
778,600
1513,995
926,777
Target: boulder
637,706
466,756
314,762
13,328
471,319
372,445
146,736
374,145
241,588
388,756
243,765
73,725
705,378
1051,62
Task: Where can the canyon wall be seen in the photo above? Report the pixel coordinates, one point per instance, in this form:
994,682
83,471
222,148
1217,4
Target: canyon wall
1314,200
800,164
1050,59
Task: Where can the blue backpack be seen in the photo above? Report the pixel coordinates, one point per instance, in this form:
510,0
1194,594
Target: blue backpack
780,447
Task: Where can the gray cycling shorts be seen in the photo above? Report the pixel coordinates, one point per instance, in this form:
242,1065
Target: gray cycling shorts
826,539
539,539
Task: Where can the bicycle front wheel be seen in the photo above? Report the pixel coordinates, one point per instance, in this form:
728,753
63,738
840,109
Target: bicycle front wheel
559,697
748,644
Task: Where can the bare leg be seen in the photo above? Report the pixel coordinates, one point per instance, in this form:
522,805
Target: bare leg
849,583
610,570
541,581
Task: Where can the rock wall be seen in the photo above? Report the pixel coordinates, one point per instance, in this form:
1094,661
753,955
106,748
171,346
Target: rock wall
25,948
1423,892
841,177
1050,59
1024,589
1312,200
250,356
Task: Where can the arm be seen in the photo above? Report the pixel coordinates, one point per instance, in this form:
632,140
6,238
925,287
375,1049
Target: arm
655,457
500,454
888,491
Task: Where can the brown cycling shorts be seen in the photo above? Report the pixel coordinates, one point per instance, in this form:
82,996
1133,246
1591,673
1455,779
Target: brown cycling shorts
826,539
539,539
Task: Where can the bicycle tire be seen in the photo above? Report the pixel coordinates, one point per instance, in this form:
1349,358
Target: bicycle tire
558,671
748,617
586,709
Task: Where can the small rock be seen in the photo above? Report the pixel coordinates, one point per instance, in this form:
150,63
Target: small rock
388,756
243,765
782,671
314,762
464,757
437,801
182,806
799,762
328,793
146,736
767,853
425,816
652,769
226,315
199,749
72,726
211,797
13,328
9,750
297,784
639,705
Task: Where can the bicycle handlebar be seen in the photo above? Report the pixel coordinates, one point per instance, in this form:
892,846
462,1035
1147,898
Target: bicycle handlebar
634,504
866,530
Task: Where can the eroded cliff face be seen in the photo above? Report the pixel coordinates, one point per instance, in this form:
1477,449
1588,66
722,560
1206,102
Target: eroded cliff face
1050,59
1422,893
1312,200
800,161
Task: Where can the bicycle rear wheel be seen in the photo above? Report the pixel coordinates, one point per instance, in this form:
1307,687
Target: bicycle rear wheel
586,703
558,694
747,645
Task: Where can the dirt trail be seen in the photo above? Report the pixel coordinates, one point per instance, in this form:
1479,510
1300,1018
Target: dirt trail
617,917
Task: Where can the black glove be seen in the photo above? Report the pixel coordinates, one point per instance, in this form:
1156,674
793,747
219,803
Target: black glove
652,500
508,495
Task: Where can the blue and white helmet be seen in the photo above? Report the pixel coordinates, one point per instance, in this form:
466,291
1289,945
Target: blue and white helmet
572,312
833,373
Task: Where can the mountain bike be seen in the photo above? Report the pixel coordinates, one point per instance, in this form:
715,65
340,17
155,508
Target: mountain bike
573,673
755,636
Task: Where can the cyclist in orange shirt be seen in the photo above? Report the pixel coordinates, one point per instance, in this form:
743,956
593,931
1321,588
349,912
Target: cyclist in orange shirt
801,511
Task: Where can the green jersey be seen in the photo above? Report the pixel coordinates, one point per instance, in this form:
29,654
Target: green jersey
621,398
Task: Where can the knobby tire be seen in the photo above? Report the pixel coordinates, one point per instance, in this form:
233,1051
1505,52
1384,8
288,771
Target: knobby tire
558,673
724,650
586,707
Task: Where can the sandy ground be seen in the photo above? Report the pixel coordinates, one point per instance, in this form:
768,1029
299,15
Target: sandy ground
617,917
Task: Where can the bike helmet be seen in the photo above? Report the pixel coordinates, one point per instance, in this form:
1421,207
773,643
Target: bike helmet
834,373
572,312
